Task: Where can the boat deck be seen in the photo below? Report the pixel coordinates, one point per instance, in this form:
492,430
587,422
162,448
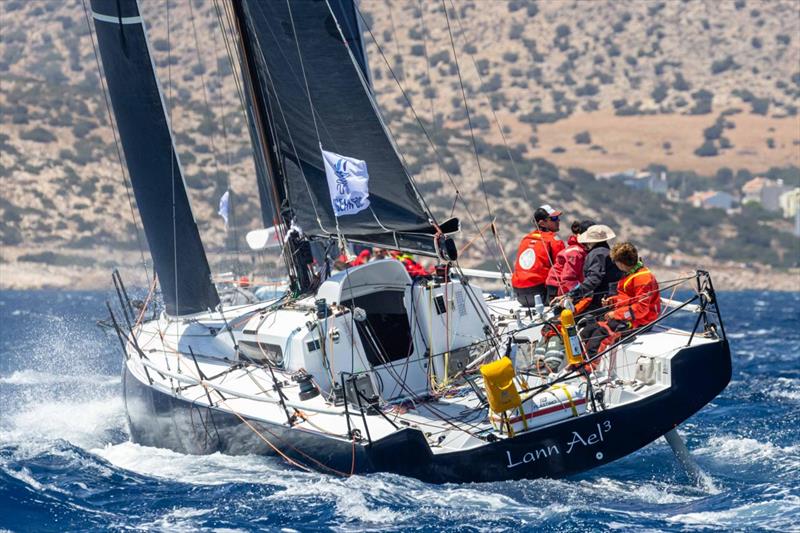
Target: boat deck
452,420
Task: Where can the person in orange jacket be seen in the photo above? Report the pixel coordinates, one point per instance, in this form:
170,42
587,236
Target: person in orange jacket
636,304
535,256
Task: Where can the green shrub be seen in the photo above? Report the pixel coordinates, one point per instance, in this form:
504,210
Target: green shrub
707,149
722,65
660,92
588,89
760,106
38,134
583,138
702,102
714,132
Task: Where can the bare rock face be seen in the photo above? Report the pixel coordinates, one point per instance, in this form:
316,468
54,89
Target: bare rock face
556,91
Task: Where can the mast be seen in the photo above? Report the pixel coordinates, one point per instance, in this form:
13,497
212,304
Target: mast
299,258
156,175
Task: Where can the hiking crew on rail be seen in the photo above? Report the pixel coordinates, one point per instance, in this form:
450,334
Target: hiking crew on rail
535,256
636,304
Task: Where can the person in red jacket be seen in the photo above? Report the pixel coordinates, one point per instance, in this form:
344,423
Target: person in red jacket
537,251
413,268
567,271
364,256
636,304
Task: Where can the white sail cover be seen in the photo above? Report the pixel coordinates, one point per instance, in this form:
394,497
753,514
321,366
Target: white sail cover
348,183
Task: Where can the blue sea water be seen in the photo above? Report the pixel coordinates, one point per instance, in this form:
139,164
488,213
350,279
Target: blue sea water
66,463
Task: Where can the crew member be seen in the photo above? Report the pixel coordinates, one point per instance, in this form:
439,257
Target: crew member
363,257
636,304
600,274
535,256
567,271
413,268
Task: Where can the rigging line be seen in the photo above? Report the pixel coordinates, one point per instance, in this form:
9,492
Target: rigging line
226,146
318,121
286,124
292,143
399,57
387,131
491,108
227,35
466,108
439,158
311,106
116,143
204,383
172,161
220,100
211,112
230,53
303,70
261,129
428,81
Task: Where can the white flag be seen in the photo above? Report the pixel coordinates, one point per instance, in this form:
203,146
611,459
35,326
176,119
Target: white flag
348,183
223,208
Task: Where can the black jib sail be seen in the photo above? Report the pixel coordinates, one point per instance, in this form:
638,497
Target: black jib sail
172,235
309,90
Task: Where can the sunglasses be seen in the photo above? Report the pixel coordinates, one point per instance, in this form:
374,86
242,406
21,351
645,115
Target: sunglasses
554,219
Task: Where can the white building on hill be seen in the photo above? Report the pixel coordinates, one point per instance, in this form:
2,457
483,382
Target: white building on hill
712,199
642,181
764,191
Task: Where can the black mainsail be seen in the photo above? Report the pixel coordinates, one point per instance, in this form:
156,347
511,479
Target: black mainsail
172,235
309,89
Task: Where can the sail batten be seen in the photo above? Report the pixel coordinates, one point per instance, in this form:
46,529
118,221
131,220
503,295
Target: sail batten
313,80
156,176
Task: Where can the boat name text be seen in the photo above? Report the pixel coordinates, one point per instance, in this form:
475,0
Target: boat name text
576,441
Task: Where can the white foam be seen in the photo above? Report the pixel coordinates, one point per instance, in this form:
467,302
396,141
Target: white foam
83,423
350,496
647,492
214,469
35,377
24,475
744,449
179,520
773,514
786,389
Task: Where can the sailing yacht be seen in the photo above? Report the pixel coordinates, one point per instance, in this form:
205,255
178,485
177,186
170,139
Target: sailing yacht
368,369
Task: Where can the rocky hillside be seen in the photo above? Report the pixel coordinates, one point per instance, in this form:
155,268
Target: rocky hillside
565,88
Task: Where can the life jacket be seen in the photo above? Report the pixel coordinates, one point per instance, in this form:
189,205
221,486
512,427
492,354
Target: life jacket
361,258
535,256
638,300
413,268
567,272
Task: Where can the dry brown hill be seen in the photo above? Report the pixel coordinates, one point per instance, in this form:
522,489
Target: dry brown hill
641,79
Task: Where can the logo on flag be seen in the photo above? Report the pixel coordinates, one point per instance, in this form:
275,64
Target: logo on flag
223,208
348,183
